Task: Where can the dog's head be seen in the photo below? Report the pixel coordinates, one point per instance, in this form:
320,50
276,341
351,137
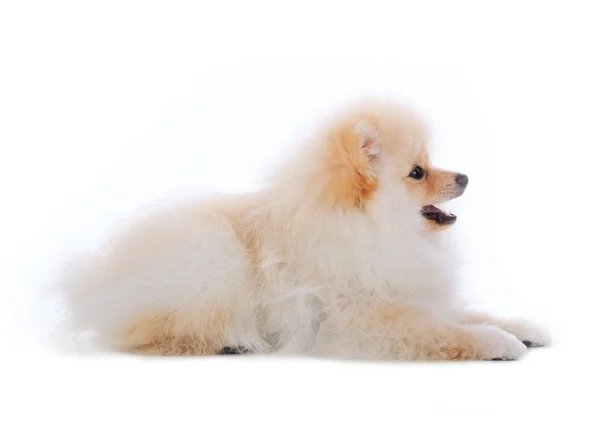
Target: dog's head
379,148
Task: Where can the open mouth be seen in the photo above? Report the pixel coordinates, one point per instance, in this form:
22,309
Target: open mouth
441,217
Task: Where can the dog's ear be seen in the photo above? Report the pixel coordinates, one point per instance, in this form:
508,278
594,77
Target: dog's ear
368,134
352,163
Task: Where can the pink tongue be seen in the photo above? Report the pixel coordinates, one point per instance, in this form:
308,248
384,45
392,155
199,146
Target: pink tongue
432,209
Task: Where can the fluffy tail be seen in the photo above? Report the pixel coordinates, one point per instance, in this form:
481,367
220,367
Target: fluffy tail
78,326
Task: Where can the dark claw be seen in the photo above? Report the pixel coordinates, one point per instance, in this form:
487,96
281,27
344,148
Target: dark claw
228,350
527,343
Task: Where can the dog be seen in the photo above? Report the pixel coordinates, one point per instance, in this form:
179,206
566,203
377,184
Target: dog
343,253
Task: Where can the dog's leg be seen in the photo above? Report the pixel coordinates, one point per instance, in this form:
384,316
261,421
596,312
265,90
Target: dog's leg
391,331
167,335
532,335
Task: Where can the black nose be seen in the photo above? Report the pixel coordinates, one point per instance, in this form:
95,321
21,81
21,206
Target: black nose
462,180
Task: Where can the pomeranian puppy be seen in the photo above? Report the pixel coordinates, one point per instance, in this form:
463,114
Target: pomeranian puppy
343,253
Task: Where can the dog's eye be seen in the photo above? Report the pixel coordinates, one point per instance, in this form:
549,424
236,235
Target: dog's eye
417,173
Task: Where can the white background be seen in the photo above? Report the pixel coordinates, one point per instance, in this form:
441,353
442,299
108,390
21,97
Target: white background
106,106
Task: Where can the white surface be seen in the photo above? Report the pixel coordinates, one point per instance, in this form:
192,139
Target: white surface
105,108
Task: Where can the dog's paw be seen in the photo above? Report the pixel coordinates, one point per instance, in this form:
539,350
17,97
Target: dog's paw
532,335
495,344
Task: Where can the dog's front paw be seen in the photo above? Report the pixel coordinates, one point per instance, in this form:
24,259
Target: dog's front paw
496,344
532,335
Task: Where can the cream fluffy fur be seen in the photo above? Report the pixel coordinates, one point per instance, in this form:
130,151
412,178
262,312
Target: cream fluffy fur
331,258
